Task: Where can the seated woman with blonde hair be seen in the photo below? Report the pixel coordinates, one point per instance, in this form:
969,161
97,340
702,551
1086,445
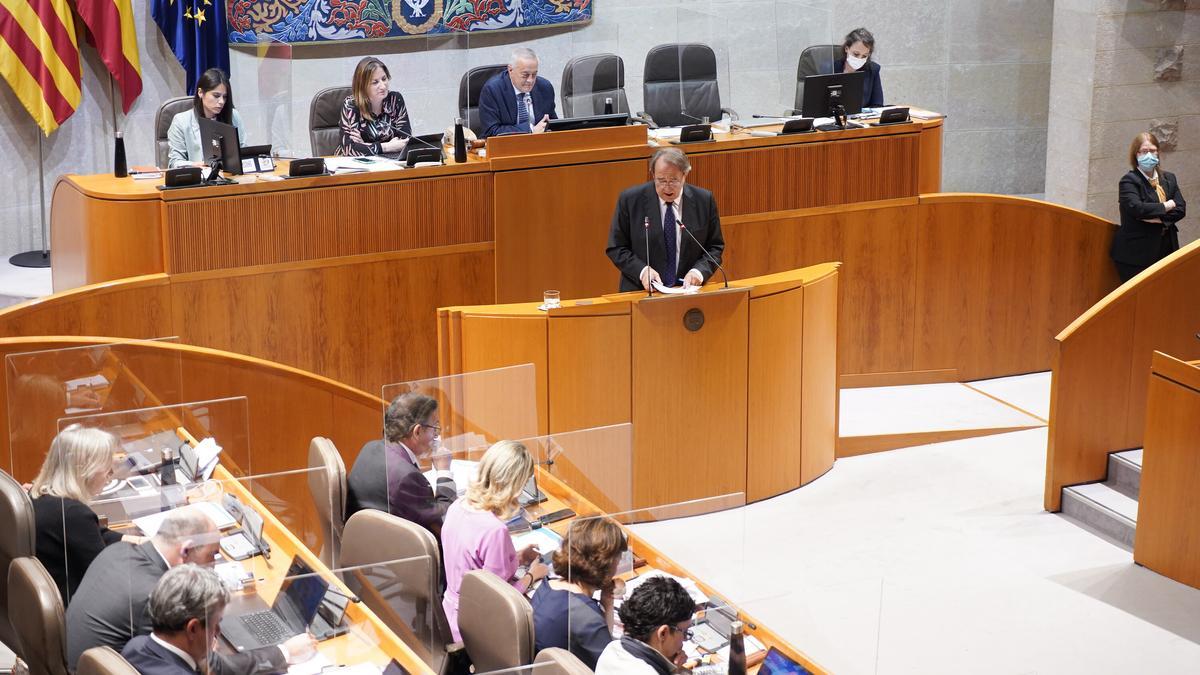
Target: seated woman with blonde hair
475,537
69,534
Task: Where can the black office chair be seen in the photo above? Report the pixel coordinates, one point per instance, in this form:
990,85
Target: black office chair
679,85
468,94
324,120
814,60
588,80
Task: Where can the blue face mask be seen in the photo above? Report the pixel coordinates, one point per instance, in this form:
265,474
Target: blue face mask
1147,161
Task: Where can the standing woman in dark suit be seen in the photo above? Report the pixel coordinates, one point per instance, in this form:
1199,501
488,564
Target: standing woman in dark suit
857,49
69,535
374,120
1151,205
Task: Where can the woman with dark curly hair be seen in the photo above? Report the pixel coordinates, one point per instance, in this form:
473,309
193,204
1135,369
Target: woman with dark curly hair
565,613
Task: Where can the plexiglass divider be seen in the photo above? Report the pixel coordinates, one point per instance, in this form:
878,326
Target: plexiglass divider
599,577
594,74
46,385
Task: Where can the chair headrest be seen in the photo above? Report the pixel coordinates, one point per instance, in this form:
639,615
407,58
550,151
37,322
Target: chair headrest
496,622
675,62
103,661
41,632
595,72
326,107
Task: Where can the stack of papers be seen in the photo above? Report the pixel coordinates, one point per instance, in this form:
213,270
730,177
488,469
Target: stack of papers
463,471
208,455
360,164
543,539
688,585
149,524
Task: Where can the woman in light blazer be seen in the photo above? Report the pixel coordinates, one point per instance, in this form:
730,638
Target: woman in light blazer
213,100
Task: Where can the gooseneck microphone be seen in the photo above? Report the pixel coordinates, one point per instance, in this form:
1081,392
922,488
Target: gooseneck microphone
649,284
706,253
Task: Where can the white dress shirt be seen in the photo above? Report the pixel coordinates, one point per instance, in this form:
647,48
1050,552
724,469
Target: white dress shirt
187,658
677,207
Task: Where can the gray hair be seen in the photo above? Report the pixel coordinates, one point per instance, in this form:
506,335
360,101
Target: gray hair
673,156
184,593
182,523
405,412
520,54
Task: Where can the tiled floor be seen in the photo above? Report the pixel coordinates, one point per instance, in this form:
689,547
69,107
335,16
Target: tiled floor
940,559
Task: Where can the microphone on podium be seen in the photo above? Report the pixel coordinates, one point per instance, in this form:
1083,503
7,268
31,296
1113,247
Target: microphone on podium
706,253
649,285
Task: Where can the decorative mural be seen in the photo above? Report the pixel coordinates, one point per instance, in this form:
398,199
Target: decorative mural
294,21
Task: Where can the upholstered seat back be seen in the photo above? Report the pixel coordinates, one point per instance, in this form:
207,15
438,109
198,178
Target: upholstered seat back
324,116
495,621
814,60
558,661
103,661
588,80
327,483
680,84
41,630
17,540
468,94
162,124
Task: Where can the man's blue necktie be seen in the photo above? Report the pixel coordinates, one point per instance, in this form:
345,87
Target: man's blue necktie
669,271
522,112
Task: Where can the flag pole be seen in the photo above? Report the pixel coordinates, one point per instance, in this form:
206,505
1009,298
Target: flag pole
39,259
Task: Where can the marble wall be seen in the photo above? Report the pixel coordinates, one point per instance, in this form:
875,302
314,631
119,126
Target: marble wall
1121,67
987,65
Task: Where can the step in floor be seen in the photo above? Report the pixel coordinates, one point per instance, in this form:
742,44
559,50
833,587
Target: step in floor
1102,509
1125,472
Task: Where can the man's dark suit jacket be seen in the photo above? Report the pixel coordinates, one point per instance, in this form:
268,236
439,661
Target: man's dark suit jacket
398,487
151,658
1136,241
627,236
498,105
109,608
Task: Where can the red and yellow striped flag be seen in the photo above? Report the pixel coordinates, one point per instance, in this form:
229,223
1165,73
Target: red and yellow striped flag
111,24
39,56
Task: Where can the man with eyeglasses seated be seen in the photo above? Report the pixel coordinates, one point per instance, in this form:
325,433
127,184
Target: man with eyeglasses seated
658,619
677,222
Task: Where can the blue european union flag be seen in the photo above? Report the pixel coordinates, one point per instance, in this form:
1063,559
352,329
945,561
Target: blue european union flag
197,33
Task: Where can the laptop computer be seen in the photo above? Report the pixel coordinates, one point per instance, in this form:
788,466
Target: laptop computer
427,146
290,615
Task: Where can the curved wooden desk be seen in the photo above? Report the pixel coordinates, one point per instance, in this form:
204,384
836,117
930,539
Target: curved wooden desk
933,288
286,408
746,403
1098,392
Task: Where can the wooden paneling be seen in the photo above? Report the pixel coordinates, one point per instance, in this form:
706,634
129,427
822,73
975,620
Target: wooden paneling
877,248
1168,526
775,405
589,371
1043,265
139,307
273,227
366,323
495,342
819,430
705,371
929,176
778,178
98,239
1098,392
552,228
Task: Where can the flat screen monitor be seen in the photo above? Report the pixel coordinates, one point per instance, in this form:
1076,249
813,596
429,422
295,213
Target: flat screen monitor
819,90
220,141
592,122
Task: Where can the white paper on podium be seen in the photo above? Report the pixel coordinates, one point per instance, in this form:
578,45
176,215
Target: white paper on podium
676,290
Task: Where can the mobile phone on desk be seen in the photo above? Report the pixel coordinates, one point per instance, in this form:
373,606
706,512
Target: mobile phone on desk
553,517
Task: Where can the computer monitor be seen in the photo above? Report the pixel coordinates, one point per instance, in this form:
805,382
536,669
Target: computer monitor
823,94
590,122
219,141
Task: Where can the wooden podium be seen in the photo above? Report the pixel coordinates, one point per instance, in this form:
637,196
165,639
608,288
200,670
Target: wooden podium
1167,539
728,390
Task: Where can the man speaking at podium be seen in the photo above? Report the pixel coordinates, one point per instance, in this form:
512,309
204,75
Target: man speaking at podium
672,223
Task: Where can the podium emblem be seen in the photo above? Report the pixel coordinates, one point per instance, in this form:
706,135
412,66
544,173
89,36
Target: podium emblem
693,319
416,17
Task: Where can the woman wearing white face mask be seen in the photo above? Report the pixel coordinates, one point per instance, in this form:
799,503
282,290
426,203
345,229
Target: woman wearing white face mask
857,49
1151,205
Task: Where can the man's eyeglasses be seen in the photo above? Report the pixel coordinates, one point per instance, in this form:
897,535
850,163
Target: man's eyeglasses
687,632
668,182
436,428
